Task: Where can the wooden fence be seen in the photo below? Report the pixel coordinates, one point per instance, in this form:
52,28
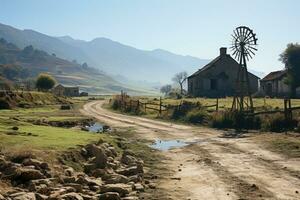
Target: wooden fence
135,105
128,103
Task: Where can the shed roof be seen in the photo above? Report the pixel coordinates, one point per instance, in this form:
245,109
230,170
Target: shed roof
274,75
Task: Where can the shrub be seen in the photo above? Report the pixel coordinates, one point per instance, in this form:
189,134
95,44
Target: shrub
237,120
277,123
4,104
196,116
45,82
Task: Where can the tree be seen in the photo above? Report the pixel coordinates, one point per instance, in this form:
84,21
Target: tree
180,79
166,89
45,82
291,58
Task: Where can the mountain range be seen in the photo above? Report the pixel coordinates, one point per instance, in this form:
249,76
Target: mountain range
112,57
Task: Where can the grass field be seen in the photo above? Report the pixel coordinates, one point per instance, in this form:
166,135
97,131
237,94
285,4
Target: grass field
227,102
38,137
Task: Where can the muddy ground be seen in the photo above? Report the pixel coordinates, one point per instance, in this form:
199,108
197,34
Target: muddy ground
215,164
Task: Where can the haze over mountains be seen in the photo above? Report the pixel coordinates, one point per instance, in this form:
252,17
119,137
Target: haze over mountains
124,63
110,56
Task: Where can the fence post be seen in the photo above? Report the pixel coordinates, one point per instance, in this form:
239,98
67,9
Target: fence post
138,105
217,105
285,110
159,106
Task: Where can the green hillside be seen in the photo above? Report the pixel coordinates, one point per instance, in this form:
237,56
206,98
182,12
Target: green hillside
23,64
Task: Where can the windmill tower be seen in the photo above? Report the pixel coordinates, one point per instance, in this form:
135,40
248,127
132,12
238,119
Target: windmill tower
243,49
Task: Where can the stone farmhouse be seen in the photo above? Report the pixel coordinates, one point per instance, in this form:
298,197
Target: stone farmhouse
61,90
218,78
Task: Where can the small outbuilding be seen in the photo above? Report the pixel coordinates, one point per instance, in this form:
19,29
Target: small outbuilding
274,85
218,78
61,90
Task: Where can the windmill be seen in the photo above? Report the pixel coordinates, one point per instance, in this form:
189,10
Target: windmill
243,49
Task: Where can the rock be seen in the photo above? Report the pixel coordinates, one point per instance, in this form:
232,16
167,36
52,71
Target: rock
69,171
130,171
113,151
39,196
135,178
84,152
88,167
67,179
23,196
115,178
71,196
139,187
15,128
36,163
122,189
77,187
27,174
152,186
128,159
2,197
89,181
110,196
99,172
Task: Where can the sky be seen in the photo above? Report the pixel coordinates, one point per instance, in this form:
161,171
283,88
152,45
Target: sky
187,27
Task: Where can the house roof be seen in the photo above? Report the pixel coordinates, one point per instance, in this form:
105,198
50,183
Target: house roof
212,63
274,75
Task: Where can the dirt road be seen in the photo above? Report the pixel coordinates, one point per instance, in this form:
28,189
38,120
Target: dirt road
214,165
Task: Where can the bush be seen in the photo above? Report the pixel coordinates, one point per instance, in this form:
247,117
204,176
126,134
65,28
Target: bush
277,123
45,82
196,116
4,104
65,107
236,120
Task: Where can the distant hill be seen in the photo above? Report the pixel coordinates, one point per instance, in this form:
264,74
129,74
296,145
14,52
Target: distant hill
107,55
20,64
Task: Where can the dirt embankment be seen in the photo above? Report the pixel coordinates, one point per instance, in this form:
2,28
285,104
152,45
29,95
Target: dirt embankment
214,164
10,99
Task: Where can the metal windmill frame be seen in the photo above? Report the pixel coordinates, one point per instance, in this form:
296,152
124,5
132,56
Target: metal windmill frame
243,49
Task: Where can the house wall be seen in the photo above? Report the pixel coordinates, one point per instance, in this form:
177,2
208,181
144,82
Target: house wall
275,88
224,73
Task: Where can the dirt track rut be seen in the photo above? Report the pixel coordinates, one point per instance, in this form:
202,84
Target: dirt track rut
213,166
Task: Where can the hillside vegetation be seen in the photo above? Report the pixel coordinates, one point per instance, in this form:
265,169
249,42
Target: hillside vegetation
23,64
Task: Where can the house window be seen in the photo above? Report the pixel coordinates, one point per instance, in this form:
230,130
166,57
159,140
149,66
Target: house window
213,84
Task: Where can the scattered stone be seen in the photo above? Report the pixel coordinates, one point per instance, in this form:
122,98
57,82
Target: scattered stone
23,196
122,189
27,174
71,196
110,196
69,171
139,187
15,128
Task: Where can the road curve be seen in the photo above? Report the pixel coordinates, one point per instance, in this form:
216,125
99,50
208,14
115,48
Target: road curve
212,167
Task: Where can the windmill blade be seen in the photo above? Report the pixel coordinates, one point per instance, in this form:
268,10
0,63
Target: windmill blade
251,51
252,47
253,38
248,53
249,35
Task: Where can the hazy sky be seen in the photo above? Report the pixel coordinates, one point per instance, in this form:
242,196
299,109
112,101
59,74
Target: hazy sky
187,27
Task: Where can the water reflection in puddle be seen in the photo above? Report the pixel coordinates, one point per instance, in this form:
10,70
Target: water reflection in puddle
165,145
96,128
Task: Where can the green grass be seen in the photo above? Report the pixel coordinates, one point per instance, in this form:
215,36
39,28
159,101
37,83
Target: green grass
39,137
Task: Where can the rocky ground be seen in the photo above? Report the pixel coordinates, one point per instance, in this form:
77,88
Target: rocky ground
106,175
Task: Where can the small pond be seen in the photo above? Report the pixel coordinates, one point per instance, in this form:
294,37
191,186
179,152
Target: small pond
165,145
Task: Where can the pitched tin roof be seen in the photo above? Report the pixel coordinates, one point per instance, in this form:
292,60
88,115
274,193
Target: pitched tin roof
274,75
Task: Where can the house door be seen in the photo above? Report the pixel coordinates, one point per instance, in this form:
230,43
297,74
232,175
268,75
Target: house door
269,89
